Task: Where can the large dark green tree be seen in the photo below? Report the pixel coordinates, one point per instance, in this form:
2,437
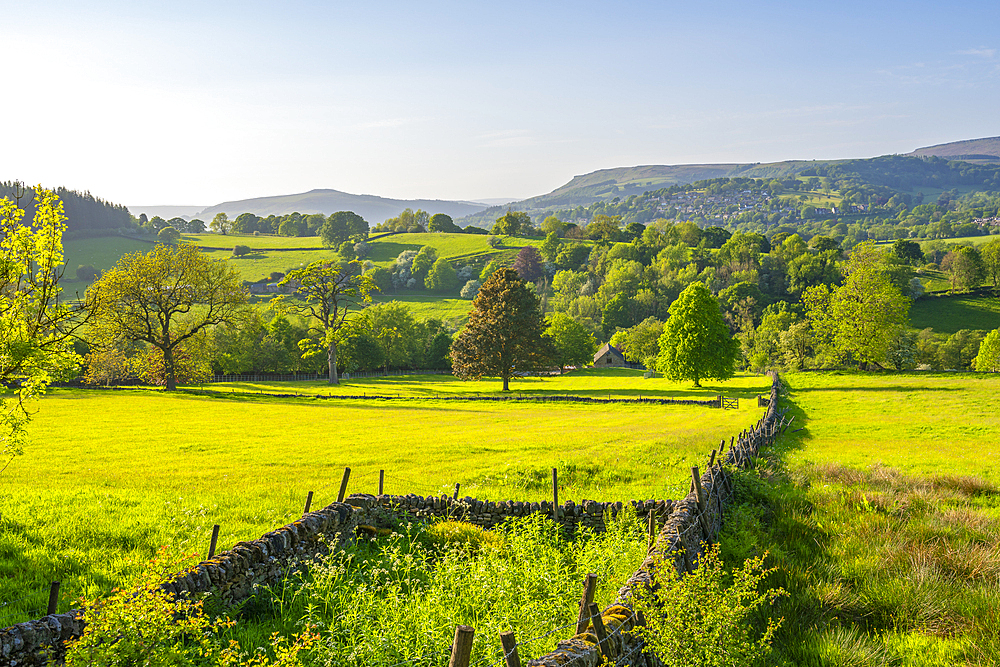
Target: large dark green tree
696,343
343,226
504,333
512,223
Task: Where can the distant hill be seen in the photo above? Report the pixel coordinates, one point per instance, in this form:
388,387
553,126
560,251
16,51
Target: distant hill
166,212
606,184
370,207
981,151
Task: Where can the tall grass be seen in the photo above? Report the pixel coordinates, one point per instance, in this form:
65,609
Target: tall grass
399,598
882,568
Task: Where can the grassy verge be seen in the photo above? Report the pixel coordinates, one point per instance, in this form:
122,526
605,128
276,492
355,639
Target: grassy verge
883,567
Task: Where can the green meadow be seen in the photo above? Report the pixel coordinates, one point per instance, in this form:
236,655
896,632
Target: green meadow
112,475
101,253
880,510
921,423
949,314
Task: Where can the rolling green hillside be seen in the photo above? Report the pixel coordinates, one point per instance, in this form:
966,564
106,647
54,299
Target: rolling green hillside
946,315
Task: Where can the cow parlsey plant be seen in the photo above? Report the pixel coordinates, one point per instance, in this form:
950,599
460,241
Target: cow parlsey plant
698,619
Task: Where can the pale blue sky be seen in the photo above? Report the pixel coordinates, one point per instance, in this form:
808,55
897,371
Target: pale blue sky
201,102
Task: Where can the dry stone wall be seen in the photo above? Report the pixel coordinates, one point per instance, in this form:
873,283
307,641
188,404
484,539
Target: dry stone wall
386,510
232,576
688,526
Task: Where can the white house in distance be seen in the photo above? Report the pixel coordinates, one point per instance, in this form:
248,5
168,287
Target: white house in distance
610,356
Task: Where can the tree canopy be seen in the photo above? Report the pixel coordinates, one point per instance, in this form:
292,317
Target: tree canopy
696,343
35,327
341,227
164,298
862,318
504,332
512,223
326,292
574,345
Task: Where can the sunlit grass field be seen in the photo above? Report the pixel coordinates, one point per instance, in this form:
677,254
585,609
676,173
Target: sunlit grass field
227,241
112,475
101,253
919,422
881,512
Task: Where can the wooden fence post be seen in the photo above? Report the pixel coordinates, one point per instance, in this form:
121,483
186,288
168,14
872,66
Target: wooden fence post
510,649
215,540
650,530
381,481
461,648
343,485
700,497
555,495
455,497
589,588
602,635
53,598
309,502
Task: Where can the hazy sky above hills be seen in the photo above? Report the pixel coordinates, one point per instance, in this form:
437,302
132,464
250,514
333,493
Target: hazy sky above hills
201,102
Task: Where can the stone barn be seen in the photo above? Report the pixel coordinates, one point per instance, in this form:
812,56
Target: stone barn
610,356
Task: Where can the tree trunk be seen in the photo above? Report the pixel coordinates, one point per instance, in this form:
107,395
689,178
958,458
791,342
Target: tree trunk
168,369
331,358
505,380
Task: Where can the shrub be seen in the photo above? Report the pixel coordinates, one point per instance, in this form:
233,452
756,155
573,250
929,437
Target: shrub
470,289
241,250
143,625
469,535
169,236
87,273
697,620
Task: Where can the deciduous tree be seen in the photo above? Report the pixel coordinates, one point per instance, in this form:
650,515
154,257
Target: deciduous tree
164,298
442,277
326,292
861,319
528,264
442,222
35,327
640,343
696,343
512,223
341,227
574,345
221,224
504,332
988,359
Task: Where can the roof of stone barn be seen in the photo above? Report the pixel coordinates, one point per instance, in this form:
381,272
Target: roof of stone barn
608,347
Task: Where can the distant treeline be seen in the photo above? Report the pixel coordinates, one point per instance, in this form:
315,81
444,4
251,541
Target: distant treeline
87,214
